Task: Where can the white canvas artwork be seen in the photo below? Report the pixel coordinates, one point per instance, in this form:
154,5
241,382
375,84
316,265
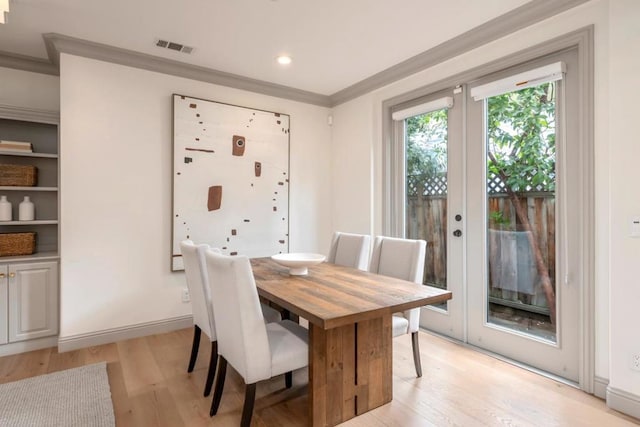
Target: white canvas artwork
230,178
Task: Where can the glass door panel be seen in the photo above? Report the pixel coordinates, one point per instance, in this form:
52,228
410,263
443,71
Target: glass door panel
523,203
520,200
426,190
432,182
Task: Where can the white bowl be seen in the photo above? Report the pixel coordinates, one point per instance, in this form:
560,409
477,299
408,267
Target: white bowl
298,263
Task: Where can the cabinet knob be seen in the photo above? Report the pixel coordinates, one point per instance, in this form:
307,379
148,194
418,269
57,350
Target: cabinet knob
2,275
12,275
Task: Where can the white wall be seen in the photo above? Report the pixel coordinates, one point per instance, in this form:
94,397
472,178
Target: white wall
351,168
624,143
116,160
24,89
357,125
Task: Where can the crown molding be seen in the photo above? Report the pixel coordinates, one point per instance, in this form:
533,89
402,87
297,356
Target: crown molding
28,63
58,43
524,16
512,21
29,114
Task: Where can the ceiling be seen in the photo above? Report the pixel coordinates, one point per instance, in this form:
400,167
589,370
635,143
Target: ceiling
334,43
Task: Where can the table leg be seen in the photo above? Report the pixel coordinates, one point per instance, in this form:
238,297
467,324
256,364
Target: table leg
350,370
374,364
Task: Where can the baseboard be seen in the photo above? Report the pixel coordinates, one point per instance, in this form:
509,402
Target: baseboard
75,342
600,387
30,345
624,402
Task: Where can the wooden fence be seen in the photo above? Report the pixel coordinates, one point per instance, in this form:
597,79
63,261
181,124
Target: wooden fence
512,272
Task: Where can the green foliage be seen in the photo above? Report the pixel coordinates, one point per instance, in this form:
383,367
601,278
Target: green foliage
426,151
522,138
521,141
498,219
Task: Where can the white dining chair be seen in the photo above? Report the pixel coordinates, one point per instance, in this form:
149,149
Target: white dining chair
202,308
257,351
402,259
350,250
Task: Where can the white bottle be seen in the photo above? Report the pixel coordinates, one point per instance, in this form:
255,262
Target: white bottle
5,209
26,211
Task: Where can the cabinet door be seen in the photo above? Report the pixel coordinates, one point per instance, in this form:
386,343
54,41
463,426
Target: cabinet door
4,305
33,300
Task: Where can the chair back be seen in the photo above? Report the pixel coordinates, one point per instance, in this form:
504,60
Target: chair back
399,258
350,250
402,259
198,283
242,334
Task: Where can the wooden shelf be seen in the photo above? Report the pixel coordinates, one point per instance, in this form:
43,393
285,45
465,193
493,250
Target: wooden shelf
18,154
35,222
12,188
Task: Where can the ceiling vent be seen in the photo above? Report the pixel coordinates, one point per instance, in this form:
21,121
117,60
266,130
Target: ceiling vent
174,46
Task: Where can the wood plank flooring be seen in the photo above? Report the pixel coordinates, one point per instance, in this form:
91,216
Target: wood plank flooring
459,387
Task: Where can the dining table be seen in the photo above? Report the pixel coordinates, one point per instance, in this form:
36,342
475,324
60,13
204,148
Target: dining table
350,337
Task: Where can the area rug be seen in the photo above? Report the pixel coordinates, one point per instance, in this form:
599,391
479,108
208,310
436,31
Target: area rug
75,397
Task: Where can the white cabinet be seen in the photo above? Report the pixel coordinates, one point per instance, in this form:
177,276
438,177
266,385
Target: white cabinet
30,292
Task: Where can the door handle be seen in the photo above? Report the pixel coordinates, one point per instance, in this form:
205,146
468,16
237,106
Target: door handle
457,233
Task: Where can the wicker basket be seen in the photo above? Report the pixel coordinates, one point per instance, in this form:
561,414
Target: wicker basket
18,175
12,244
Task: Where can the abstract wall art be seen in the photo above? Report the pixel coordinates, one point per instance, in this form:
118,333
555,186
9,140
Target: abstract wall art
230,178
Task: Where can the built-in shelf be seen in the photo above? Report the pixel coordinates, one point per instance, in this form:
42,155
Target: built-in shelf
38,256
35,222
31,282
12,188
44,195
18,154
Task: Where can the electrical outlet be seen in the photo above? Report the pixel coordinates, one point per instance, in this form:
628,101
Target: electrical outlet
635,362
185,295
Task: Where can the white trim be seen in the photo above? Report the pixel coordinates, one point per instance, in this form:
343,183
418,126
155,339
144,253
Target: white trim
29,114
107,336
28,63
524,16
600,387
583,40
624,402
537,76
30,345
500,26
59,43
427,107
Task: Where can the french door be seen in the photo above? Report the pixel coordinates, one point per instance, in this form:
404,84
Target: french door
491,182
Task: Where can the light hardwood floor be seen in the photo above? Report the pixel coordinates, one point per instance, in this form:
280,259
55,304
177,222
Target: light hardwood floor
150,387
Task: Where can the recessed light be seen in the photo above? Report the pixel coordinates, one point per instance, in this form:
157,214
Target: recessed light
284,59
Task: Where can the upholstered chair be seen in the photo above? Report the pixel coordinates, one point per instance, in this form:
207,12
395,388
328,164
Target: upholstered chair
350,250
257,351
402,259
200,293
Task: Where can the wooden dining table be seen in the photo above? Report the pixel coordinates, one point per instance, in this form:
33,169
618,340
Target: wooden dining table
350,338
